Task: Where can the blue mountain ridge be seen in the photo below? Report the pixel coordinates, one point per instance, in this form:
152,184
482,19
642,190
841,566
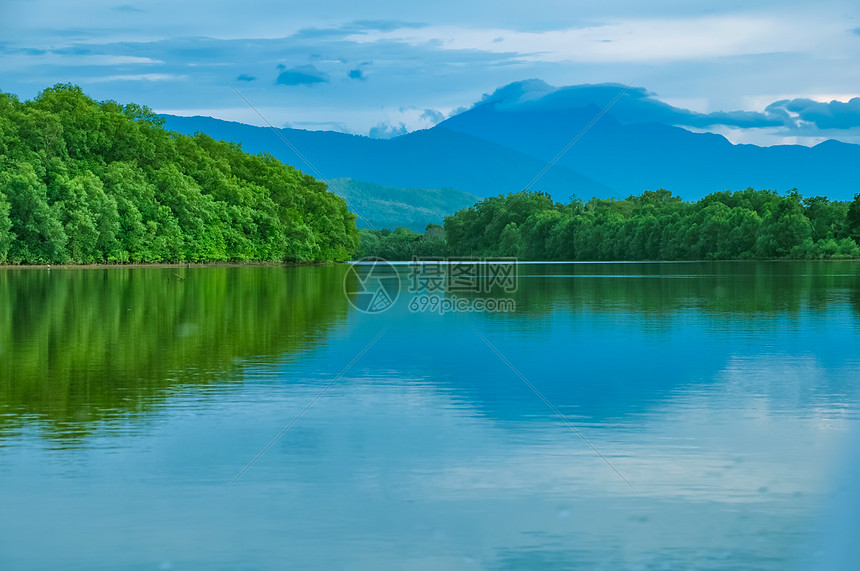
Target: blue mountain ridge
501,143
432,158
634,157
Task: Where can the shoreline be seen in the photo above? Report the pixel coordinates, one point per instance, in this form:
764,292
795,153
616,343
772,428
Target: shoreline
165,265
261,264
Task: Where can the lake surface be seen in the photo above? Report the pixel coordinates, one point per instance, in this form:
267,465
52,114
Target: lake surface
726,394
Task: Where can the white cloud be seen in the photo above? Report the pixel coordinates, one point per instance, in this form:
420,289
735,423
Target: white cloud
27,61
759,102
138,77
727,60
113,60
629,41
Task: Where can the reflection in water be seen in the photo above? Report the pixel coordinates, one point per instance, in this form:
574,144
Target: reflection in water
78,346
722,391
738,288
610,340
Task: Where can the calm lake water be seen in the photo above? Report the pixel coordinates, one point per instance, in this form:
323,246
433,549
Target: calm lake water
726,394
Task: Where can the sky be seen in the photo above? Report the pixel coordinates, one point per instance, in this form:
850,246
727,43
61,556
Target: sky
385,67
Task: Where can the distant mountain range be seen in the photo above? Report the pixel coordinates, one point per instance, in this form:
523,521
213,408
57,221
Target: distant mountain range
503,142
432,158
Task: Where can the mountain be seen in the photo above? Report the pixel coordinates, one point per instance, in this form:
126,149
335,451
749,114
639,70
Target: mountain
432,158
503,142
388,207
634,156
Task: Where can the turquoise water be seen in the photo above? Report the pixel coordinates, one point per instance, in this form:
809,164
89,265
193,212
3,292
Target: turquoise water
726,394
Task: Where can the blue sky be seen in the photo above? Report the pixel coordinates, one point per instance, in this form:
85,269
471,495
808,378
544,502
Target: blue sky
383,67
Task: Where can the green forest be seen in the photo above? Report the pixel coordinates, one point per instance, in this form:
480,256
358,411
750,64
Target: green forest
84,181
747,224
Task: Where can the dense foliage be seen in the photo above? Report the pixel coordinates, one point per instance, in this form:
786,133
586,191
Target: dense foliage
748,224
85,181
403,243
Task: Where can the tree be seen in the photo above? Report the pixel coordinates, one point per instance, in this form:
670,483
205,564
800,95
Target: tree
853,219
827,219
783,229
434,232
510,242
39,236
6,235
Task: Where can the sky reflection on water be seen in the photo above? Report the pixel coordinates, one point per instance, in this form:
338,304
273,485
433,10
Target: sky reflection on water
729,410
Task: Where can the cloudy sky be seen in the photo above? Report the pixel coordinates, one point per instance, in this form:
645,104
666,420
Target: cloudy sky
380,67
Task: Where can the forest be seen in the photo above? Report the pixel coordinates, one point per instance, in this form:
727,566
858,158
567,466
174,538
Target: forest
85,181
656,225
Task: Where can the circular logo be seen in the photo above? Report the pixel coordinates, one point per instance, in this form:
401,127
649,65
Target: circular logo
371,285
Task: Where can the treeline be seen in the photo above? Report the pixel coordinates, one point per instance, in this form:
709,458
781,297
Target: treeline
748,224
83,181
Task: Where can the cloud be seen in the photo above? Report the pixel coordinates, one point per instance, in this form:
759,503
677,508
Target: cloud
388,130
637,105
627,40
356,27
138,77
317,126
22,51
356,74
383,25
78,57
245,77
129,9
518,93
627,105
432,116
302,75
452,60
830,115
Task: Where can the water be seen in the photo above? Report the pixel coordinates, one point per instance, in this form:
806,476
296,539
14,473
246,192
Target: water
725,393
